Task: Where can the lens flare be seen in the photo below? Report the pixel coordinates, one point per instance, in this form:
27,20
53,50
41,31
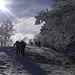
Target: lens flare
4,9
2,3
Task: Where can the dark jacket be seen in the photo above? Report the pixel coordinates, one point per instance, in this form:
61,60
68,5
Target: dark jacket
23,44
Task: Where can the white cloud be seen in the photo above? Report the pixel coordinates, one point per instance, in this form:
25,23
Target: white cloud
20,37
17,37
25,27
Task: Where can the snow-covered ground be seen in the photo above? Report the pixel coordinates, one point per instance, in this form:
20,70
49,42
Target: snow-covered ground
51,62
11,64
59,63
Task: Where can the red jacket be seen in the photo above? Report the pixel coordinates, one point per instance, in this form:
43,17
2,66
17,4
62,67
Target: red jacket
17,44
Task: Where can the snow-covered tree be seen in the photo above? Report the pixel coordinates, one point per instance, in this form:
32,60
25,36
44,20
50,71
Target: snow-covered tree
6,30
59,26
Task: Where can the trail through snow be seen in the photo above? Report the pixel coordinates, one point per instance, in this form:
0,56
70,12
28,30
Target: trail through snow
35,62
10,64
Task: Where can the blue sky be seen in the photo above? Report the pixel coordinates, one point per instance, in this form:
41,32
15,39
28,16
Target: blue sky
22,14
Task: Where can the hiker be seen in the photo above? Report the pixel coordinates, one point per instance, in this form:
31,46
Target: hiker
17,44
23,45
39,44
31,43
36,43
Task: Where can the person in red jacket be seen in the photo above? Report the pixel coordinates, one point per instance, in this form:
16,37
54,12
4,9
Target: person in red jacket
17,44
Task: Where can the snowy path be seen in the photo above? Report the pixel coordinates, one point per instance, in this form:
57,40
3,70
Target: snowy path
10,64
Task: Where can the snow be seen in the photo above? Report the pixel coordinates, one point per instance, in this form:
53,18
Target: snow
33,64
66,67
11,64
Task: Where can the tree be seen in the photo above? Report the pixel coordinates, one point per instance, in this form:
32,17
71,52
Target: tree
6,32
59,24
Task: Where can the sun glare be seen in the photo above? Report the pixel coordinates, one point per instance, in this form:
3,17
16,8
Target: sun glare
4,9
2,3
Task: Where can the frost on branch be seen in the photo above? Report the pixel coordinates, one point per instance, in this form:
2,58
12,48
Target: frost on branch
58,29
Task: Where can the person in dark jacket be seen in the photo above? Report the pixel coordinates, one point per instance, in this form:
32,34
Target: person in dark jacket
36,43
39,44
23,45
17,44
